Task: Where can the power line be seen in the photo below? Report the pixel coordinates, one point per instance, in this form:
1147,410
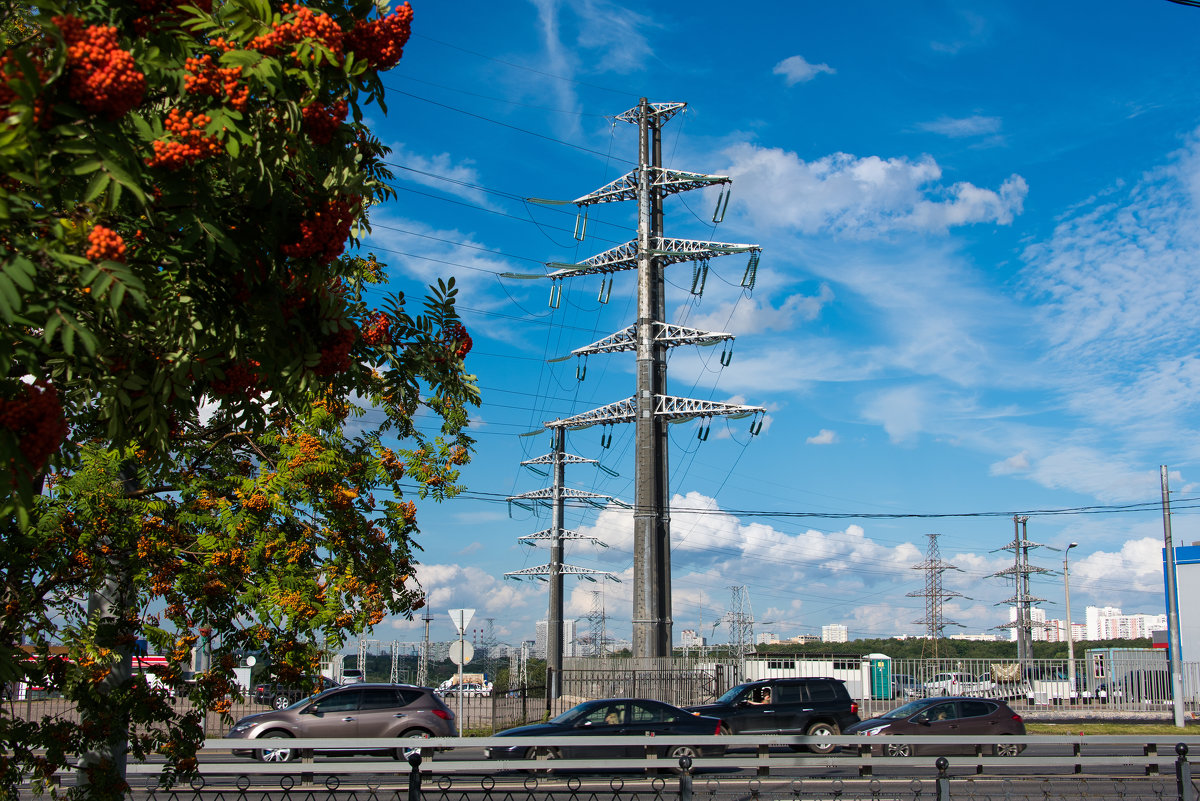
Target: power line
507,125
515,65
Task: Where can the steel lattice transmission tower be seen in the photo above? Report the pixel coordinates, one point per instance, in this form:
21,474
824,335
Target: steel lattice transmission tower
739,619
1022,600
556,496
935,594
598,625
651,408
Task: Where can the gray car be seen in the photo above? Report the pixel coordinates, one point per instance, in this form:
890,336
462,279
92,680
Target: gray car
358,711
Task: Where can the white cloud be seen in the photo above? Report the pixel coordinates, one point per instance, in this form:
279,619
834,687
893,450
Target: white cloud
795,69
842,193
617,32
957,128
825,437
755,315
440,172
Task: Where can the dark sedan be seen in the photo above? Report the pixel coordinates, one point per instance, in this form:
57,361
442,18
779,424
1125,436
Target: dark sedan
615,716
945,716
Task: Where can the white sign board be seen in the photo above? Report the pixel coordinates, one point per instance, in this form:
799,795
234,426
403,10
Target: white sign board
461,652
461,618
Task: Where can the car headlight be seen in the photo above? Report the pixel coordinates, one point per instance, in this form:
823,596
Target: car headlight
871,732
241,727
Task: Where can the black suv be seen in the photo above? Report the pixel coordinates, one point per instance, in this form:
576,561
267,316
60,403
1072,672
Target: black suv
281,696
813,706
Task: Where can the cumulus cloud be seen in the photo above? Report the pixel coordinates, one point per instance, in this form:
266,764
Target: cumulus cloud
795,69
757,315
824,437
846,194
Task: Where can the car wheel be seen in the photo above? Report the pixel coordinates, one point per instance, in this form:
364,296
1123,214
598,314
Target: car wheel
1006,749
822,730
725,730
892,750
281,701
401,753
676,752
276,754
542,753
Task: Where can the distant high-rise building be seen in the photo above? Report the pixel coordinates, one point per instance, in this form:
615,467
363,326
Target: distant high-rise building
570,638
1037,620
690,638
834,632
766,638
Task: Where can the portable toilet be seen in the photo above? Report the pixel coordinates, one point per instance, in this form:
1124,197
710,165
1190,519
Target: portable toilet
881,675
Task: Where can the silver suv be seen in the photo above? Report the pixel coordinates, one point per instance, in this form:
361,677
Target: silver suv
361,710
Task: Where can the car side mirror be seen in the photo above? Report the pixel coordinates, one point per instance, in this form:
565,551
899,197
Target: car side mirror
922,718
583,724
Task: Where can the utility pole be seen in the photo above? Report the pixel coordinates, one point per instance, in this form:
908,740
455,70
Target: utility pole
651,408
557,495
1173,641
423,660
935,595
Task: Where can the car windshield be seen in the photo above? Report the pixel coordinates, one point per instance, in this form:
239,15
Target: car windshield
908,710
574,713
311,698
732,695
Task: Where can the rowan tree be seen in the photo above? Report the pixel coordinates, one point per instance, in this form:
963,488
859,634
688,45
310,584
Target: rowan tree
184,343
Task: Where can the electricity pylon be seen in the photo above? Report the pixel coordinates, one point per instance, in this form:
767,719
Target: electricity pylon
1022,599
651,408
935,595
556,495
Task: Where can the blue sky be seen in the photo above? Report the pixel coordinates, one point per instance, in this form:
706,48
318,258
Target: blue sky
977,294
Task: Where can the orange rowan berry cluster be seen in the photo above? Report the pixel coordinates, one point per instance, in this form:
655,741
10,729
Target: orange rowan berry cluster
190,145
11,73
241,378
206,78
35,416
335,353
380,42
321,121
377,329
458,340
105,244
306,24
103,78
323,235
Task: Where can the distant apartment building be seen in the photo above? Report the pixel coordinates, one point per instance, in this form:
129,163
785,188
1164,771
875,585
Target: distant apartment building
690,638
804,639
766,638
1108,623
974,637
834,632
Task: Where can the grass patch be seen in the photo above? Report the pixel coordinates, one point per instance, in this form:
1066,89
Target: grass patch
1075,729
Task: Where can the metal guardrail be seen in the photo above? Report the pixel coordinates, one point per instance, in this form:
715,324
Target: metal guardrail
434,778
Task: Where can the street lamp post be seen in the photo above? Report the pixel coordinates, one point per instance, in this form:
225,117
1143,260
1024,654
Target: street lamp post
1070,640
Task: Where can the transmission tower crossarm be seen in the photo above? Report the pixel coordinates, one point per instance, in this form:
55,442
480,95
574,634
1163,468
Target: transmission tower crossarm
566,458
625,256
668,407
668,334
661,112
626,187
547,494
566,534
565,569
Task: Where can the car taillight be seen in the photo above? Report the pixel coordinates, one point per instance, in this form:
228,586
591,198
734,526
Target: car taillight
1016,717
441,713
718,731
853,708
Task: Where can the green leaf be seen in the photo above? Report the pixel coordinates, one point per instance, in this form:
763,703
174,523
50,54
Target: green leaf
96,186
240,58
84,167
